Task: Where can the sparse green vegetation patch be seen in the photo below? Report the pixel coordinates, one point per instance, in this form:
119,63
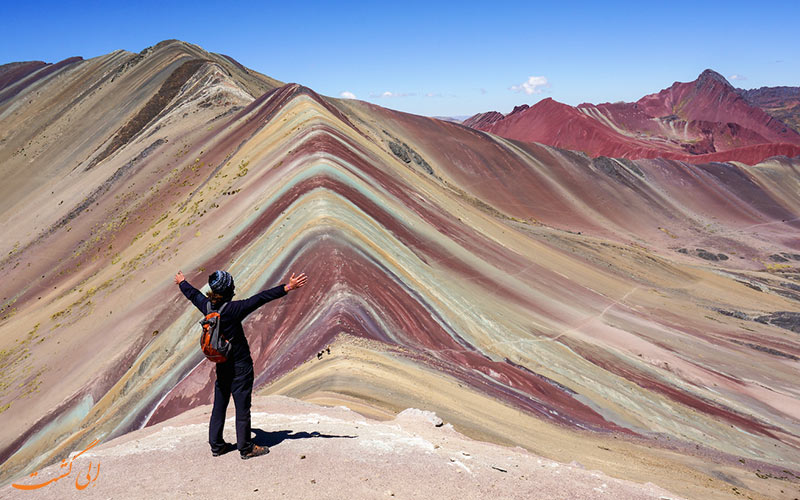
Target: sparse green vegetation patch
18,379
242,168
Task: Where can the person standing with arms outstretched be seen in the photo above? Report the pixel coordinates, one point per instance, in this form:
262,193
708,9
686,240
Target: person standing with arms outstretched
235,375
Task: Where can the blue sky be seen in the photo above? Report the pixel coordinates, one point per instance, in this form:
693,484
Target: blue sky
440,58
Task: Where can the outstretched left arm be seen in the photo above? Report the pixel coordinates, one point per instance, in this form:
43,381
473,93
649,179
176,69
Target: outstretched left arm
296,282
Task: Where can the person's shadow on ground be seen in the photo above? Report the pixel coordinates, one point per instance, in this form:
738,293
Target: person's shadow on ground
263,438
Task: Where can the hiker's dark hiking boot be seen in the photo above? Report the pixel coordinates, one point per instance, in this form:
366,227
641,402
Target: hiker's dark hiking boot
228,447
257,451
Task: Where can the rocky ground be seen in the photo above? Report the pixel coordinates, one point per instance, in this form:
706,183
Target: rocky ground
319,452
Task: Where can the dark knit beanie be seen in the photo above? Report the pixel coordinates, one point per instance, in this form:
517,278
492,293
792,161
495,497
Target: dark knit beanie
221,282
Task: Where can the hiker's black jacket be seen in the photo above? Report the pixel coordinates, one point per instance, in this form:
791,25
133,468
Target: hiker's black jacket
233,315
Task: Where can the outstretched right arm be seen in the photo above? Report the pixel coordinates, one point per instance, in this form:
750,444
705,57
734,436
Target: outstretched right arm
249,305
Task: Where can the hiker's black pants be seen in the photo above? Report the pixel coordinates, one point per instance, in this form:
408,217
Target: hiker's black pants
233,378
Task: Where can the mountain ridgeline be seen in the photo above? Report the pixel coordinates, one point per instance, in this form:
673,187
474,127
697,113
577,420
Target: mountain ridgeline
528,293
701,121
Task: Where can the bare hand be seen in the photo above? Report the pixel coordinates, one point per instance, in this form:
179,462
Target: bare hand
179,277
296,281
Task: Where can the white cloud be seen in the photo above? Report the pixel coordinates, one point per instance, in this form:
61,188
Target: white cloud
738,77
433,94
347,95
392,94
534,85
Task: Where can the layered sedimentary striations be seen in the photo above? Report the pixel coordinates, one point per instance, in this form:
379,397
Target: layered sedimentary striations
599,307
701,121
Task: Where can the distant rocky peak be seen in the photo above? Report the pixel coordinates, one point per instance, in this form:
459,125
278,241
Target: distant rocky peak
518,109
482,119
710,76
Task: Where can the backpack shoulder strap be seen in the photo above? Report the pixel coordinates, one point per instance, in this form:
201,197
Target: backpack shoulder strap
210,307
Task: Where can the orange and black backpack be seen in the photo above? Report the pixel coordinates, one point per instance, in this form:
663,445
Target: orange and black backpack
214,345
